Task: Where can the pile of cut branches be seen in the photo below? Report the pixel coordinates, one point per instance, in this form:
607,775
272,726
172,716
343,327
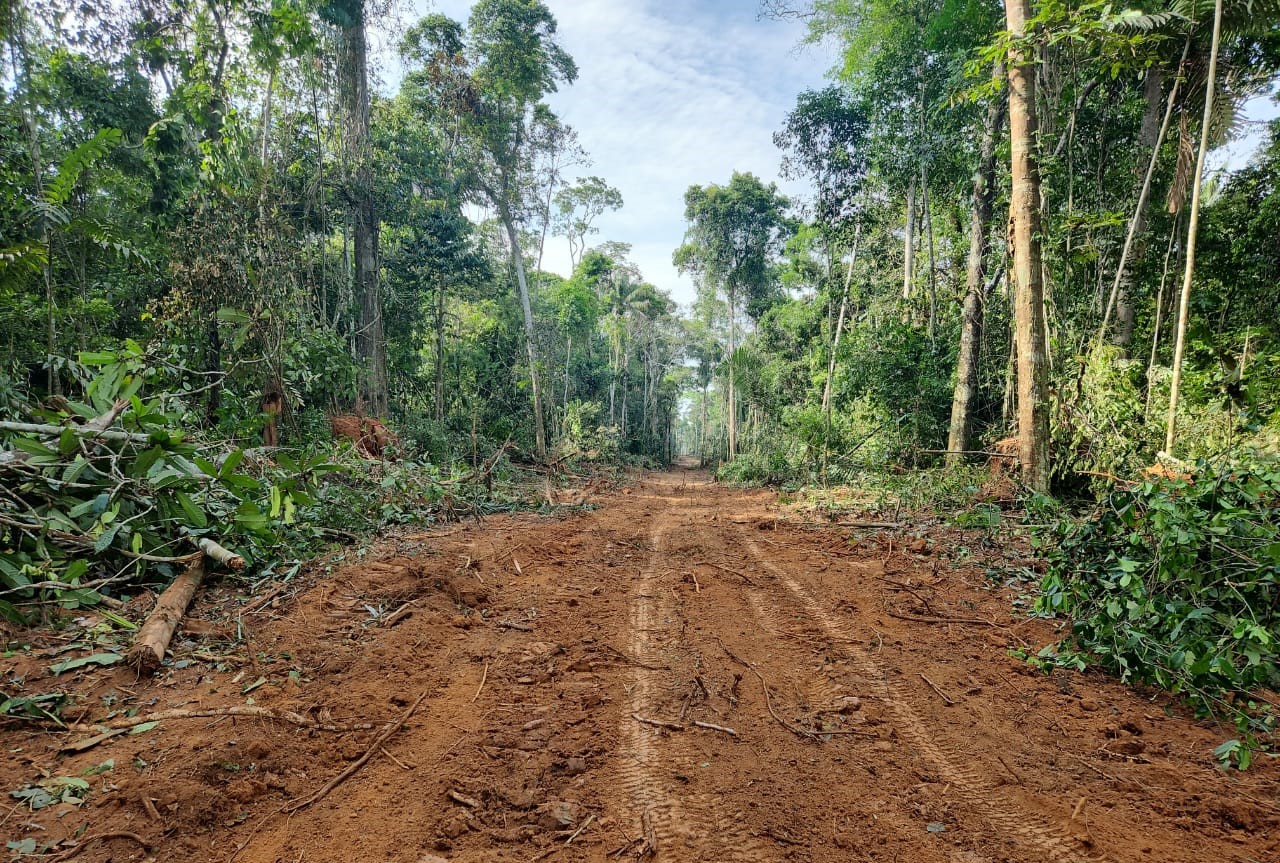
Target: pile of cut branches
114,489
1175,582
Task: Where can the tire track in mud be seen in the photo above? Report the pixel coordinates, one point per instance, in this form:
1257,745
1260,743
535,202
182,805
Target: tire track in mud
688,826
1006,817
821,688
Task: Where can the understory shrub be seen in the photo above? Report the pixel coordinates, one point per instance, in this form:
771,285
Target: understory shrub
750,469
1175,582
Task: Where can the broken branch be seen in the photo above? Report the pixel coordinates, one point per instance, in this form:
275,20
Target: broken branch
658,723
768,701
384,735
974,621
98,837
935,688
712,727
245,710
224,556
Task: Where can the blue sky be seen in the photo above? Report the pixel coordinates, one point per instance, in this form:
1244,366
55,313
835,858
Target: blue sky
669,94
672,93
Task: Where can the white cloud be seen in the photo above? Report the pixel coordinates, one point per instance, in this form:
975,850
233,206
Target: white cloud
669,94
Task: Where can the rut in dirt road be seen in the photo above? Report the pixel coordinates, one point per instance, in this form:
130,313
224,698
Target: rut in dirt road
686,672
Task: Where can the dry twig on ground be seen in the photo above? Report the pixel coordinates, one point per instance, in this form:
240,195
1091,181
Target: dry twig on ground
382,737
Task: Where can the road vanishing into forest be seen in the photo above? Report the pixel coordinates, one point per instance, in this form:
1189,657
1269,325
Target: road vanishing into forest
685,673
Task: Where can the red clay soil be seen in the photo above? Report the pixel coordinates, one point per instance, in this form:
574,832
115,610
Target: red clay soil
686,673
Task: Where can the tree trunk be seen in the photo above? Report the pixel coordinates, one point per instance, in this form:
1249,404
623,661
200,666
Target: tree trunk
1024,206
353,95
959,438
152,640
1153,137
835,340
926,220
909,243
733,399
568,357
1159,321
439,350
706,420
517,260
1193,225
613,383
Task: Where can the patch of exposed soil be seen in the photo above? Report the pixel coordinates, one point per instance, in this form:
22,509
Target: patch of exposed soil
684,674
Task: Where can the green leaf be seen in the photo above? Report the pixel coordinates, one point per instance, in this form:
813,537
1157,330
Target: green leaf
232,462
96,358
229,315
68,442
32,446
108,536
75,570
143,727
81,662
195,515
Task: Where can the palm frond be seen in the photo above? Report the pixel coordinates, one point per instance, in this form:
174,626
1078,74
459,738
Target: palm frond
77,162
1144,21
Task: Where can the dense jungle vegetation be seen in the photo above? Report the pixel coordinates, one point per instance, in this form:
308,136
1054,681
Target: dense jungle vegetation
212,226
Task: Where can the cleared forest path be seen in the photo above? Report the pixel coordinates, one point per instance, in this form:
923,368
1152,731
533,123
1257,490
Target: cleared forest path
682,674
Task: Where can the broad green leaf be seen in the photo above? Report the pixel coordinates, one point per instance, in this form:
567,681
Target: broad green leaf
81,662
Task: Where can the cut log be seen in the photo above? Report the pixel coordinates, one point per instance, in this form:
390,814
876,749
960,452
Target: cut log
152,640
224,556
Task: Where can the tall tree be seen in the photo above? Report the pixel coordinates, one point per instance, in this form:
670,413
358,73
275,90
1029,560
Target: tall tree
489,81
733,233
1193,224
1028,275
577,209
977,288
357,164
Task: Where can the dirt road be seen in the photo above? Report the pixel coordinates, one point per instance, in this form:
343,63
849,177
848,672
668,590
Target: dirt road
683,674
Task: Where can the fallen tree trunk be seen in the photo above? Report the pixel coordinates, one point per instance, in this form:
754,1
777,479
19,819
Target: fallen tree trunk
152,640
224,556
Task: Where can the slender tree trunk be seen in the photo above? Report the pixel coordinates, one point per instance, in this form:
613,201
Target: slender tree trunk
835,340
517,260
733,399
706,420
1159,321
613,384
322,239
1154,138
1029,313
439,349
960,435
568,356
1193,226
264,140
353,95
927,223
909,243
16,23
626,387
